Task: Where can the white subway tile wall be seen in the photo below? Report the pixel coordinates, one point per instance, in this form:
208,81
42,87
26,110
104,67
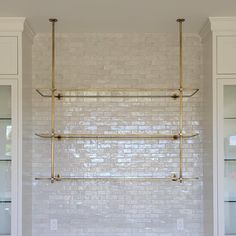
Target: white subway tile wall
117,208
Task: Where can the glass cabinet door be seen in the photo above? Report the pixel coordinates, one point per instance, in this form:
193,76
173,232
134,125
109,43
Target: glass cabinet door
5,159
230,159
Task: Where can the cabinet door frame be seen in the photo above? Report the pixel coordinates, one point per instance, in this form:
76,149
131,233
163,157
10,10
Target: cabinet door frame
220,157
15,163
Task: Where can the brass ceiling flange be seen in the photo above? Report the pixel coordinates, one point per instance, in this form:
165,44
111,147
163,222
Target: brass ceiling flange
53,20
180,20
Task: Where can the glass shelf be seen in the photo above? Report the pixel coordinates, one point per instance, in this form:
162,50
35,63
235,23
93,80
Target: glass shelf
115,136
172,177
5,201
5,160
118,93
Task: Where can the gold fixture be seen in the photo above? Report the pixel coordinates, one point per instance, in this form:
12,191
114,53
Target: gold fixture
174,93
180,21
53,21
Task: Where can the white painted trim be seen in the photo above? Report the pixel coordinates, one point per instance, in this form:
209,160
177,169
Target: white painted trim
15,162
19,101
220,160
16,25
12,24
223,23
214,137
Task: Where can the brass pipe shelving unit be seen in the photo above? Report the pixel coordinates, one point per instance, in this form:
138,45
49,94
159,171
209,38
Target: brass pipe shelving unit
173,93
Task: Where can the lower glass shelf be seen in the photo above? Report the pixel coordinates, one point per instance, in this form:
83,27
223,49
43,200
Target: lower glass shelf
172,177
115,136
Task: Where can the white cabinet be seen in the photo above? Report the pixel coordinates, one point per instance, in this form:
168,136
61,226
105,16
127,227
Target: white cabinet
15,126
8,55
219,49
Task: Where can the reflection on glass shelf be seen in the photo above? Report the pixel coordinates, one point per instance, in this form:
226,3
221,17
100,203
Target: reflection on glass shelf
5,180
230,181
5,139
230,216
5,219
230,139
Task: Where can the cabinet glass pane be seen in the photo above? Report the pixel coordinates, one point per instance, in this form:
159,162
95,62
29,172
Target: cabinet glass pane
230,159
5,218
5,180
5,159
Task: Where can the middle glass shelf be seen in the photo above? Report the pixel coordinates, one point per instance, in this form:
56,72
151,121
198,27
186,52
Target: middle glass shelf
115,136
173,93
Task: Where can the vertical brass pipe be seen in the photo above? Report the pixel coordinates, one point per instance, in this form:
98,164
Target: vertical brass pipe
53,21
180,21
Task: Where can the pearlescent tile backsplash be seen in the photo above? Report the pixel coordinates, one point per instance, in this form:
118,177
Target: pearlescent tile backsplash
117,208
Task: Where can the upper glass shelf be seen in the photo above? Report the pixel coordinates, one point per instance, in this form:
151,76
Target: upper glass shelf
118,93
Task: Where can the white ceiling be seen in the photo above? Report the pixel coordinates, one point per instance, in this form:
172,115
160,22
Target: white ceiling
117,15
